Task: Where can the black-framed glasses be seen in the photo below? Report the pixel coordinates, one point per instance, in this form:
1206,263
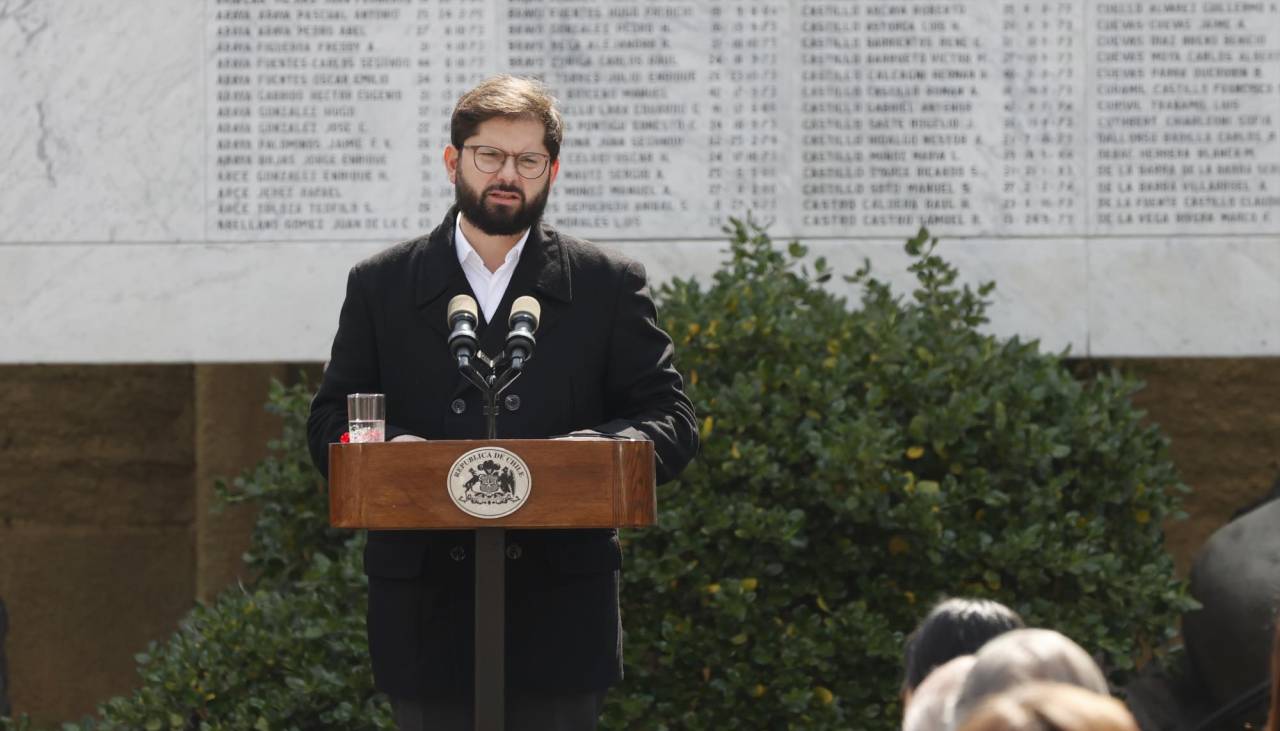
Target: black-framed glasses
490,160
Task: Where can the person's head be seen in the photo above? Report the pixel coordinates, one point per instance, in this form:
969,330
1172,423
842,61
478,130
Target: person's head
953,628
1050,707
1023,656
933,701
505,137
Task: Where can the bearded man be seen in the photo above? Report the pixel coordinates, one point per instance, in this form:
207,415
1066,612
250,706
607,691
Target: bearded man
603,364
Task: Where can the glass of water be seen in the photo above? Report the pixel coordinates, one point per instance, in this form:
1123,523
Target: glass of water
366,417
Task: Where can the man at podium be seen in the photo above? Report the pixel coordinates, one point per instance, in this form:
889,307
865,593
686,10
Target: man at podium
602,364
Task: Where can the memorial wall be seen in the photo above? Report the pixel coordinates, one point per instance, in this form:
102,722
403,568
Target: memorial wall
1113,165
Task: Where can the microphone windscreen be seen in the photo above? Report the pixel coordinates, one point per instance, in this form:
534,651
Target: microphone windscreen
462,303
528,306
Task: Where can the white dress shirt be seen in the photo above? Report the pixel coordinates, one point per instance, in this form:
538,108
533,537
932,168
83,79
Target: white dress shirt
488,286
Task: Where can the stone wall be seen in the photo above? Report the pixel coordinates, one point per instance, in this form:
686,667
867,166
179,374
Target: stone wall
1222,417
130,165
4,663
107,473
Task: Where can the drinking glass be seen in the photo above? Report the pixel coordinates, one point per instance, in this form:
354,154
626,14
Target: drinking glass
366,417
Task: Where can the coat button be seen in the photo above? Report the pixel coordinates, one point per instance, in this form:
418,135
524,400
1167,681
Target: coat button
512,402
458,553
458,406
514,551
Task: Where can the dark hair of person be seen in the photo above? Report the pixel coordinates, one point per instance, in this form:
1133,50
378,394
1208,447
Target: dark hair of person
512,97
953,628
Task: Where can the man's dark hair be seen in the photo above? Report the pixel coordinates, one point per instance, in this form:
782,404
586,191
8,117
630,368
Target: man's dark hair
513,97
953,628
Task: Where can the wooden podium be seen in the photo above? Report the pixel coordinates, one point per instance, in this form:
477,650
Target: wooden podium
585,482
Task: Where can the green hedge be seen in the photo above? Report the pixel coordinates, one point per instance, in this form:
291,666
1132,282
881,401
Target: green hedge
263,660
857,465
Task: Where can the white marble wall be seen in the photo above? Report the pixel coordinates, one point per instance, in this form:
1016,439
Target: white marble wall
102,138
103,256
140,302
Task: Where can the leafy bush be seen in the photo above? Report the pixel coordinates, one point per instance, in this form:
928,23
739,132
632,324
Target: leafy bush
293,506
858,466
263,660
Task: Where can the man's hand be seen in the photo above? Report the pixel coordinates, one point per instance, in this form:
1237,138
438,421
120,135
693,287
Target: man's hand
408,438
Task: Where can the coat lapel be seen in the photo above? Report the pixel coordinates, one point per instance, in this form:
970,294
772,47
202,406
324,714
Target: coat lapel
439,276
542,272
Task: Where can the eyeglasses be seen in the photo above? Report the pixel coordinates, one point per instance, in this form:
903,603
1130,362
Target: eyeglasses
490,160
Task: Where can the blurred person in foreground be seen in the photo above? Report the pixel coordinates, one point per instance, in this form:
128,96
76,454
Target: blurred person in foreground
934,699
1273,719
954,627
1050,707
603,366
1023,656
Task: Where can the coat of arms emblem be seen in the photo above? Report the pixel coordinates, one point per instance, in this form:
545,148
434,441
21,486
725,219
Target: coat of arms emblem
489,482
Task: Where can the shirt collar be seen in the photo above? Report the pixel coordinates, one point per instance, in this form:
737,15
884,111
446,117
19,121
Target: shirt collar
466,251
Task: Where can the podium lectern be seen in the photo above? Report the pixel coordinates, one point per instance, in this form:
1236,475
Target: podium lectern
490,486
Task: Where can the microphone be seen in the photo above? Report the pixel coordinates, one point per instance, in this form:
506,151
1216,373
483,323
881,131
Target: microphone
525,312
462,318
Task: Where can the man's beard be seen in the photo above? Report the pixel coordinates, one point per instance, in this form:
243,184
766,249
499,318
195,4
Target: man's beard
499,220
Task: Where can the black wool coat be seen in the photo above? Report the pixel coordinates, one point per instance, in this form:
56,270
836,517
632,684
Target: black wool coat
601,363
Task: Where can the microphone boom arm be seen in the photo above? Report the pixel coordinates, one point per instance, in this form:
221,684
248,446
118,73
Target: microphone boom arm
491,388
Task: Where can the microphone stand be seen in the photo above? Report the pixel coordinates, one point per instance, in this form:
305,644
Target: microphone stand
491,578
491,387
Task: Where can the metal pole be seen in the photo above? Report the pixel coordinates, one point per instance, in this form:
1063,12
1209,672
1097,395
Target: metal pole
491,595
490,639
